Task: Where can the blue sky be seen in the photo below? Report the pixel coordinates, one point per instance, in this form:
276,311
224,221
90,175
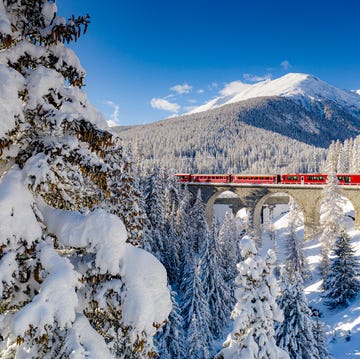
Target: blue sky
147,60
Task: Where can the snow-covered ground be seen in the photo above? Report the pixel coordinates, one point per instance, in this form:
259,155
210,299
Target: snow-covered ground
342,325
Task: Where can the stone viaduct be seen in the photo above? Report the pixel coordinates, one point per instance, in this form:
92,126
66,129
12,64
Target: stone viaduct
254,197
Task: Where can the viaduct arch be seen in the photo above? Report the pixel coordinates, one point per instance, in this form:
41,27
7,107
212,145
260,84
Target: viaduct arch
254,197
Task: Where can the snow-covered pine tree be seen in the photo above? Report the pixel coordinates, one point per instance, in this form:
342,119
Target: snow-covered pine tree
198,228
256,309
195,311
319,334
68,178
295,334
216,288
295,260
354,156
342,277
182,243
332,157
331,221
229,247
171,339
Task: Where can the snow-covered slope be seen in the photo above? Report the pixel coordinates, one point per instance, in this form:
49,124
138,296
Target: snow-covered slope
301,87
342,326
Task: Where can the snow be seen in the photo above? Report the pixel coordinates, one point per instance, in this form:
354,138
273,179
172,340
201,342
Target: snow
297,86
49,305
49,10
5,26
339,322
85,341
100,232
16,207
147,298
11,82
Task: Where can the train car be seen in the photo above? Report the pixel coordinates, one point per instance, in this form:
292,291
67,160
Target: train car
303,178
210,178
348,179
255,179
203,178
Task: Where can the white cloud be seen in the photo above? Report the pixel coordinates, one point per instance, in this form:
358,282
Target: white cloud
180,89
233,87
285,65
162,104
192,100
200,91
114,117
256,78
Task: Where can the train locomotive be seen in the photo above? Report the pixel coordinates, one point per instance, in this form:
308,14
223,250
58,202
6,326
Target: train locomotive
293,178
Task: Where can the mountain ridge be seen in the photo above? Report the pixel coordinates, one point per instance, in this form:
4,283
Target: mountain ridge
302,88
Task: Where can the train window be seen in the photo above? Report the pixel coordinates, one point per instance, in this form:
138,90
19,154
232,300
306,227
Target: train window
346,179
316,178
292,178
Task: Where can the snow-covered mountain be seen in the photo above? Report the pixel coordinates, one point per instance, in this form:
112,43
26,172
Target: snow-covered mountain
302,88
249,126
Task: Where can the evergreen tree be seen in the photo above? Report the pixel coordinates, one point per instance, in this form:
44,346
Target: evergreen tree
295,260
331,220
68,192
182,233
216,288
195,311
229,248
295,334
319,335
256,310
342,279
171,339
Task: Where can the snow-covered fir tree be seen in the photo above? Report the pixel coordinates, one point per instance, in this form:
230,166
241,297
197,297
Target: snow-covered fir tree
295,260
319,335
295,334
342,281
198,228
256,309
229,247
196,312
171,339
66,196
331,221
216,288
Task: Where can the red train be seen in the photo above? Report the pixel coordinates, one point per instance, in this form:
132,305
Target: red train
293,178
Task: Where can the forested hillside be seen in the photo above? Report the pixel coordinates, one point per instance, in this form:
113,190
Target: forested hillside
258,135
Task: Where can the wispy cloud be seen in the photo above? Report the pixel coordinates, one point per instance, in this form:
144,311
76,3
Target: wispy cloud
180,89
162,104
256,78
200,91
285,65
233,87
114,117
213,86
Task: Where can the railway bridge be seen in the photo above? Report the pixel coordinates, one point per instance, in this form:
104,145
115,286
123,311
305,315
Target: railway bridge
255,196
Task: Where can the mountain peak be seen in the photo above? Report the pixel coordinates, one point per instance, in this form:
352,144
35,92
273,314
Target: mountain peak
298,86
